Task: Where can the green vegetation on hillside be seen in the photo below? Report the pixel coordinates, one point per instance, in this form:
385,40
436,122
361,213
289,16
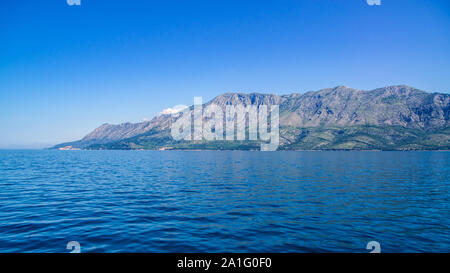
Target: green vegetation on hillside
361,137
367,137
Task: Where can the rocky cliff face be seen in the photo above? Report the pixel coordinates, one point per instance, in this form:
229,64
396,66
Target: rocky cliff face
343,106
107,133
401,106
246,99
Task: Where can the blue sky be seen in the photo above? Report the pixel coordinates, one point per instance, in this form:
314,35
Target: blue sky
64,70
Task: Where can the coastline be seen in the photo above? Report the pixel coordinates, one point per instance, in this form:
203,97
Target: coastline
219,150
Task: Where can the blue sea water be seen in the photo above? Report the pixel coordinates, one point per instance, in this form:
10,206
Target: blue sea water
224,201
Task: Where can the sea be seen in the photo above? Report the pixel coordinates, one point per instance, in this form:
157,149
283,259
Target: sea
224,201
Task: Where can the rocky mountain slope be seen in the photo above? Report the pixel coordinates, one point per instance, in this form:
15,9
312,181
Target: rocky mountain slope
389,118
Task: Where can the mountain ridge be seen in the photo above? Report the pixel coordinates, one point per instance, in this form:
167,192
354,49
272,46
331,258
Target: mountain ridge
394,110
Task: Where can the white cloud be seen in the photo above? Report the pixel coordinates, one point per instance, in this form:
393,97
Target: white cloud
173,110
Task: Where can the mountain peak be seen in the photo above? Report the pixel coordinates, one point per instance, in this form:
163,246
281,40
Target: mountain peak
245,99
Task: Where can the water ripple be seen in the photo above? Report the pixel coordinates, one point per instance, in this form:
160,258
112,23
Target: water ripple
173,201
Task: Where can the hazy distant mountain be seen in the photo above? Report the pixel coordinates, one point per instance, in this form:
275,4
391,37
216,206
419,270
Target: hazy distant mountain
389,118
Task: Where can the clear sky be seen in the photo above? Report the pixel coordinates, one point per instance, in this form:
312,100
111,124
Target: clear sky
64,70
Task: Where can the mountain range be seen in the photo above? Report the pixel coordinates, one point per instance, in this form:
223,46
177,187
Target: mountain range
340,118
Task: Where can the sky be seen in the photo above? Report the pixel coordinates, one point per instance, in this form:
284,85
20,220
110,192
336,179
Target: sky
65,70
